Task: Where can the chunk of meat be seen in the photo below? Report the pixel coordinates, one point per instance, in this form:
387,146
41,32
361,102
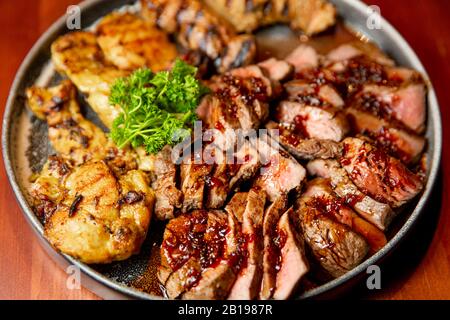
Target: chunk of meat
311,94
355,49
379,175
379,214
402,144
277,70
168,196
195,255
303,57
271,255
335,246
71,135
236,206
338,209
248,281
405,104
280,172
303,149
193,183
98,218
310,16
130,43
198,29
313,122
294,264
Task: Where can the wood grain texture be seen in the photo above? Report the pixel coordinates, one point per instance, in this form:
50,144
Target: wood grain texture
420,269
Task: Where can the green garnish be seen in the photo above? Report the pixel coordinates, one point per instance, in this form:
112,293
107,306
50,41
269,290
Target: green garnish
158,109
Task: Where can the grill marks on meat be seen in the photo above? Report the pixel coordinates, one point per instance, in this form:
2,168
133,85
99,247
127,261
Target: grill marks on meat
335,246
379,175
301,148
378,213
198,29
248,281
168,196
196,255
310,16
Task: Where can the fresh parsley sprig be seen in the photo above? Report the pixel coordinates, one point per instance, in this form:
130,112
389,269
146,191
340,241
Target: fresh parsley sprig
158,109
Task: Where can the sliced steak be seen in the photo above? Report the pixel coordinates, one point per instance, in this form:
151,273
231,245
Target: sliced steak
271,255
402,144
313,122
277,70
356,49
280,172
335,246
337,207
217,186
379,175
303,149
313,94
380,214
294,264
195,255
168,197
303,57
246,166
236,206
405,104
193,182
248,281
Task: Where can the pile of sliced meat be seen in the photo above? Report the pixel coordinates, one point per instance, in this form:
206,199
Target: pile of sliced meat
318,188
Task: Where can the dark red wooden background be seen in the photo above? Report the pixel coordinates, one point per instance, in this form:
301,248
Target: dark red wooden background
419,270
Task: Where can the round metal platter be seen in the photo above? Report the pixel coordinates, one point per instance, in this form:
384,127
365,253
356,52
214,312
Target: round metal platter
25,149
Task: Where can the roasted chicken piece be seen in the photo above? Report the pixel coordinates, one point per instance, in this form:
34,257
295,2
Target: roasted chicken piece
130,42
71,135
310,16
335,246
95,217
198,29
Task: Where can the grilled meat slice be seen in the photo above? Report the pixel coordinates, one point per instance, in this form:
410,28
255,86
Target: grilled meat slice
277,70
239,100
168,196
313,122
193,183
303,57
379,214
130,43
337,208
247,163
310,16
236,206
197,255
313,94
271,255
402,144
379,175
303,149
335,246
218,186
248,281
293,262
405,104
71,135
199,29
357,49
280,172
98,218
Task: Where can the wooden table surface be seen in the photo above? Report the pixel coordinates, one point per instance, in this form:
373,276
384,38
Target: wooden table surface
419,270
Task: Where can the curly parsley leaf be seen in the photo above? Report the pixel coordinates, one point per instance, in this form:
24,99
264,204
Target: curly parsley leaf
158,109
